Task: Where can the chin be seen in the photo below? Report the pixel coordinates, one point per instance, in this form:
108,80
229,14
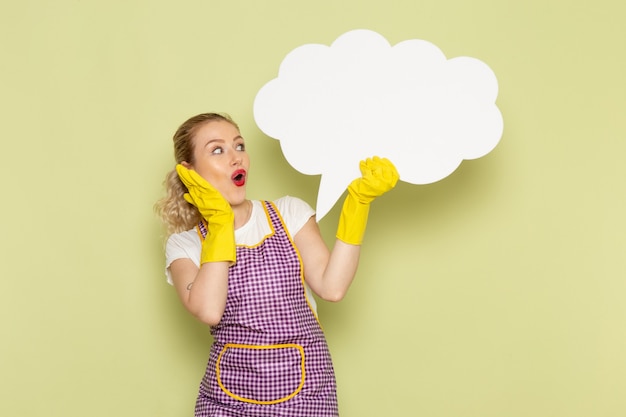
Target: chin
237,200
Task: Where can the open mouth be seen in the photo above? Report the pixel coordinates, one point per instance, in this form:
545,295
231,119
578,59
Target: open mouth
239,177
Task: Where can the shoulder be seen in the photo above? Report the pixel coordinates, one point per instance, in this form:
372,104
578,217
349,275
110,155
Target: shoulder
182,245
185,238
293,206
295,212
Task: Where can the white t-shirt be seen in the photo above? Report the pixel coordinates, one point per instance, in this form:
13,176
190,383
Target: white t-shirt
295,214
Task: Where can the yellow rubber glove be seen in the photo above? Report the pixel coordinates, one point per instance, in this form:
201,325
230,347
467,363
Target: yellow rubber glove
219,244
378,175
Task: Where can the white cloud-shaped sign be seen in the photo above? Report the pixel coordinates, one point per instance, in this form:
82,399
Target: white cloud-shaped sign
332,106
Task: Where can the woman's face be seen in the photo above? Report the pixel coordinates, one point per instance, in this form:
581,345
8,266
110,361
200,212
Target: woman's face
220,157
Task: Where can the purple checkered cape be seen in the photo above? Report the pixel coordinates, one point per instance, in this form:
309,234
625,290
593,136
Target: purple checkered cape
269,356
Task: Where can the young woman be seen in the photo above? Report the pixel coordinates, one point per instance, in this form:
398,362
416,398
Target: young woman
246,268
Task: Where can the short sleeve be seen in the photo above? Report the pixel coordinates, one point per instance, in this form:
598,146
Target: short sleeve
295,213
182,245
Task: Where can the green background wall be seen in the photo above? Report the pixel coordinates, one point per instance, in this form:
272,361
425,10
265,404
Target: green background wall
498,291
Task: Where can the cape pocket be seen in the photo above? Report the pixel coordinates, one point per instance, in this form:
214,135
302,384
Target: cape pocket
266,374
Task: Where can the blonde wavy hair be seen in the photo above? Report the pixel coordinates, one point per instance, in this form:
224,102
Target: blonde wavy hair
175,212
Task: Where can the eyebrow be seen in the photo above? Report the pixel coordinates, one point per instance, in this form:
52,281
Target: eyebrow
210,141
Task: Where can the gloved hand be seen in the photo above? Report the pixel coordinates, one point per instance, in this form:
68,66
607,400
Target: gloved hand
378,175
219,244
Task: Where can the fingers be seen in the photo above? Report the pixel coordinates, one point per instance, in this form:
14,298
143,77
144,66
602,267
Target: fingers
390,173
201,194
194,183
191,178
188,198
186,176
381,171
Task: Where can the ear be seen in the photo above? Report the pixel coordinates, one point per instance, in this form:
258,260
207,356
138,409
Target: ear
186,165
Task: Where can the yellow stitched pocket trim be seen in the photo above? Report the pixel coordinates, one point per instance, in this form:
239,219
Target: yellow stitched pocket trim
260,347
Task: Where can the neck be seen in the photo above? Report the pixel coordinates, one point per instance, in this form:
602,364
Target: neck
242,213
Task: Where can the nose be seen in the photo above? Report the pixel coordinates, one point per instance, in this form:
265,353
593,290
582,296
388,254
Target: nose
237,160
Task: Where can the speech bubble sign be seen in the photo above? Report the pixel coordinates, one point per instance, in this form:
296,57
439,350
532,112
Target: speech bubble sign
333,106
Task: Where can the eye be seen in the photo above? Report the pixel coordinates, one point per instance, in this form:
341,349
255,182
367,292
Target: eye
217,150
240,147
